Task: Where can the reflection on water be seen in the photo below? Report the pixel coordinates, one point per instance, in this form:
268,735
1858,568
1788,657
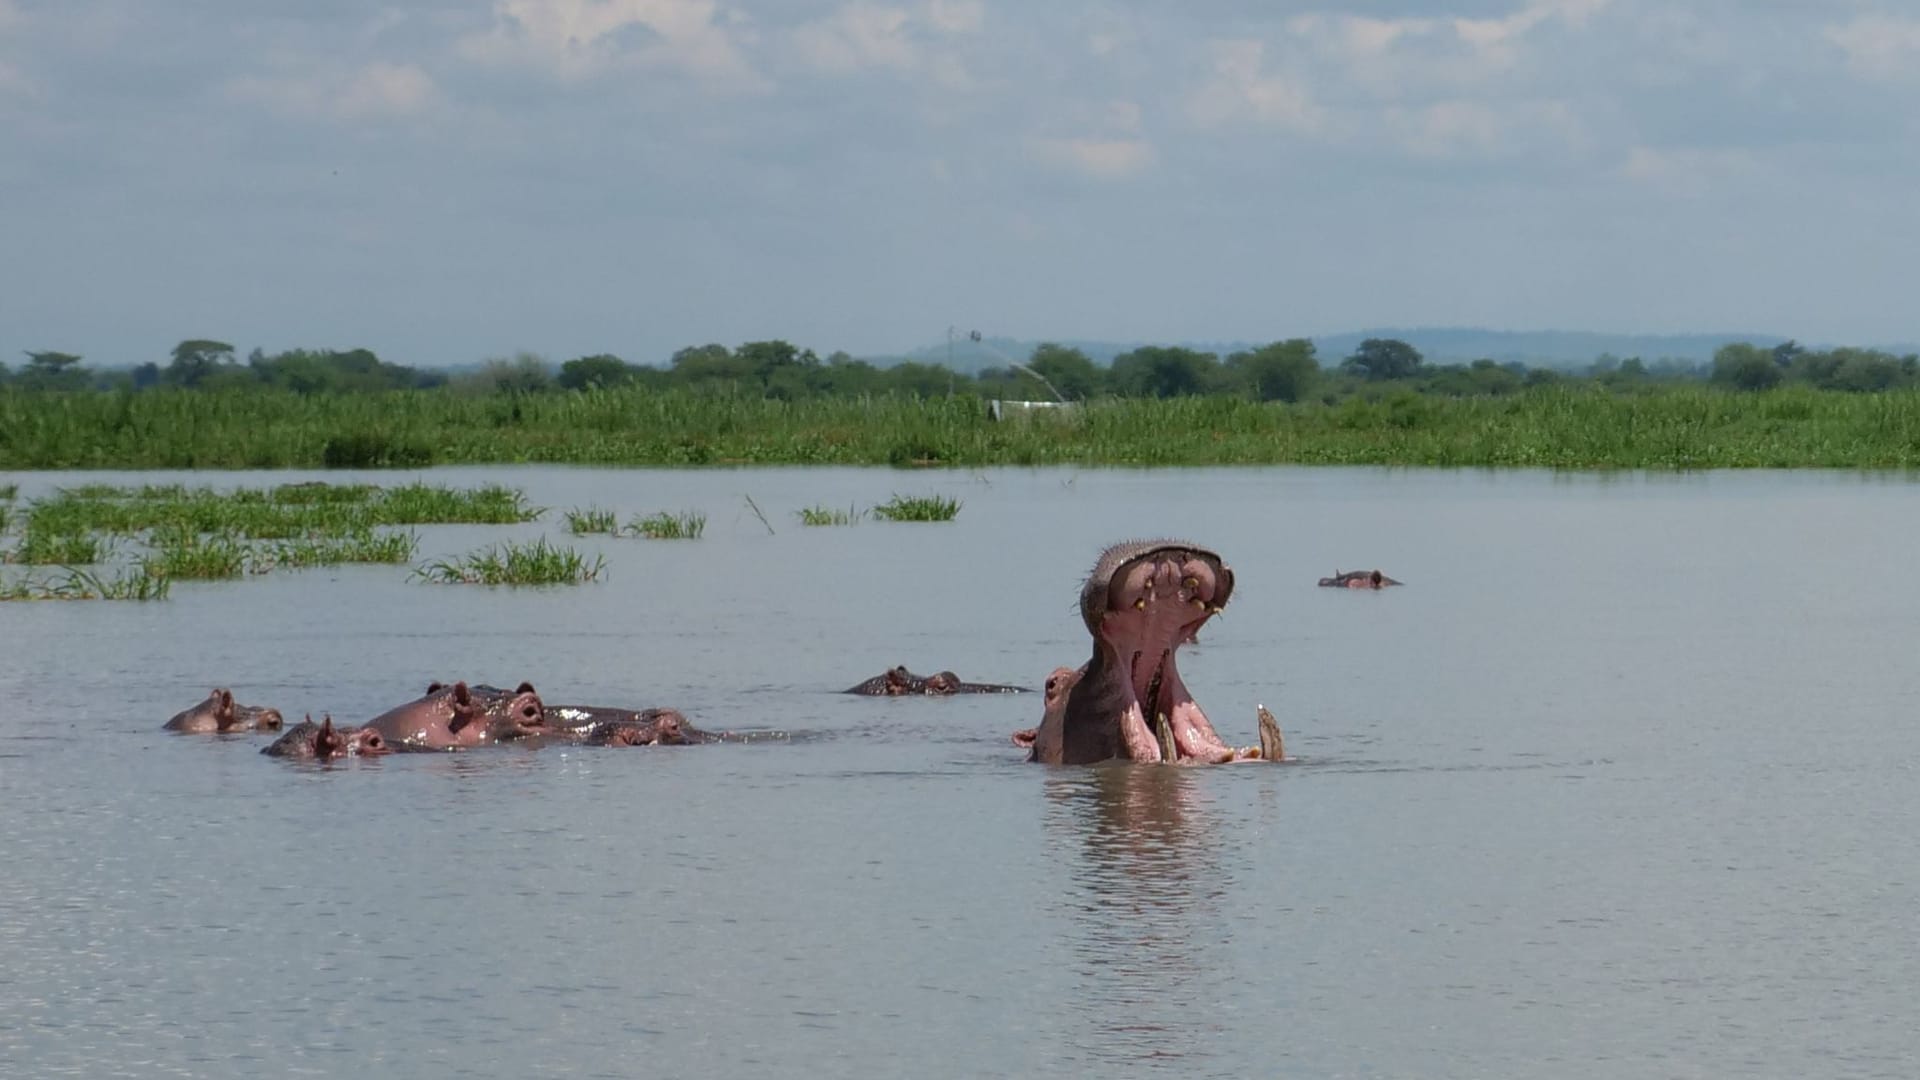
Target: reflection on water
1142,844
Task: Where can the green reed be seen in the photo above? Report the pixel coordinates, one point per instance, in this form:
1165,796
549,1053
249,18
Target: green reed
593,519
357,547
687,525
183,553
43,547
428,504
510,563
918,508
76,584
828,515
1575,426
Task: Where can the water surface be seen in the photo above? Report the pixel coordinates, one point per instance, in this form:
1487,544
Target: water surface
1621,784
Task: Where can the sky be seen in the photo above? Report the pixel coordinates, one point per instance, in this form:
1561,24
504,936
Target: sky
444,181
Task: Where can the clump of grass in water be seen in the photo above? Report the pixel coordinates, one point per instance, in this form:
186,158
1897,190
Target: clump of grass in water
358,547
180,553
827,515
422,504
77,584
592,520
316,491
538,563
918,508
9,491
665,526
45,547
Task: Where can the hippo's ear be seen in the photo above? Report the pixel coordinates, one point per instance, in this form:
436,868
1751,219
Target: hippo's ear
461,694
524,688
435,687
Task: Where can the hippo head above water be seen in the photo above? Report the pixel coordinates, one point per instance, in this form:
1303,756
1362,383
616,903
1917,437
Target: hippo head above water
220,713
458,717
324,742
1143,600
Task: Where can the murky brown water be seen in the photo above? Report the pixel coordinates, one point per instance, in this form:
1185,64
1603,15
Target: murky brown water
1621,784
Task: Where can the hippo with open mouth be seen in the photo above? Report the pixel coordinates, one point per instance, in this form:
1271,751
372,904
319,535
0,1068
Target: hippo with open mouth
308,741
1357,579
219,713
1143,600
898,682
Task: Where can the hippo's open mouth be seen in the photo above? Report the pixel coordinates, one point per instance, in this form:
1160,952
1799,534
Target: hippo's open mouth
1157,601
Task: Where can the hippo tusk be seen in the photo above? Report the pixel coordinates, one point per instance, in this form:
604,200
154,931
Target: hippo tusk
1163,734
1271,746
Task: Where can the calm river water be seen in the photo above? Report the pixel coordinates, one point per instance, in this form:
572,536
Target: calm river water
1621,784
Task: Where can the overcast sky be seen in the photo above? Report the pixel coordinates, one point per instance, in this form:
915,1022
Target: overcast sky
446,180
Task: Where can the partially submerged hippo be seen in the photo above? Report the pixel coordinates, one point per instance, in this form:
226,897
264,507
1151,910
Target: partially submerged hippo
219,713
599,725
899,681
1142,601
1357,579
323,742
458,718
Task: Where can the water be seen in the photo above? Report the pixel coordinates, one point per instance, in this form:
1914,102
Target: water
1621,784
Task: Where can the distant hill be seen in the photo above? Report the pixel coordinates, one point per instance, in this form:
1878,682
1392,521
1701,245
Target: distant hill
1439,345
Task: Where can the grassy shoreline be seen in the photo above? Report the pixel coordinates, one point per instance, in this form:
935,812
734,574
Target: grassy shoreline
1690,427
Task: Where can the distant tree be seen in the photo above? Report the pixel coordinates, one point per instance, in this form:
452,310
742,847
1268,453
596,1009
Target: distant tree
145,375
526,373
196,361
53,371
597,372
1070,371
1785,353
1384,358
1744,367
1283,371
1164,372
709,363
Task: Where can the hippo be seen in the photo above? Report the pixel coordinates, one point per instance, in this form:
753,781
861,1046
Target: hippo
457,718
1141,602
600,725
219,713
899,681
309,741
649,727
1357,579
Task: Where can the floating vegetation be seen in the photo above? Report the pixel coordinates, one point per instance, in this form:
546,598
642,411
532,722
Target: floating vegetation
46,547
423,504
359,547
316,491
181,553
77,584
828,515
664,526
509,563
918,508
592,520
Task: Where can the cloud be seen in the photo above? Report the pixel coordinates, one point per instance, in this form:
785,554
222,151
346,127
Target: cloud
1879,47
574,39
1102,158
374,92
857,37
956,16
1687,171
1239,86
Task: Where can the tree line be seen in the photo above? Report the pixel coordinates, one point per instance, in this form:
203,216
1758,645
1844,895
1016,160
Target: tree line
1285,371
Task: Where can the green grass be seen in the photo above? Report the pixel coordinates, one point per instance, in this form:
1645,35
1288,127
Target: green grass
687,525
358,547
828,515
46,547
538,563
75,584
918,508
1572,426
180,553
9,492
592,520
